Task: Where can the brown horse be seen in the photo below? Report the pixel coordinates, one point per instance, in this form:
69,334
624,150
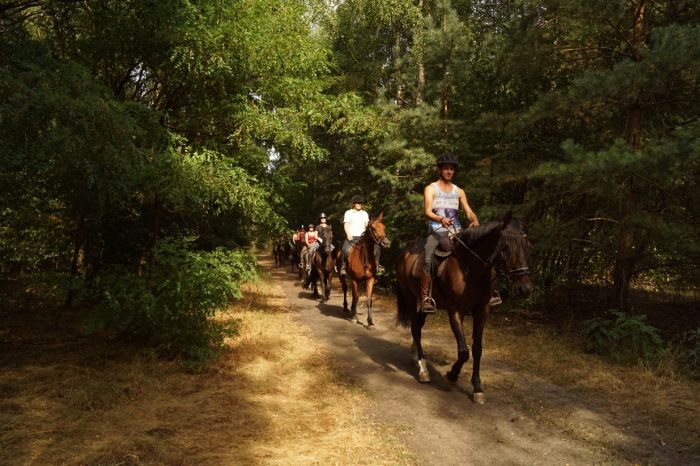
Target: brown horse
297,248
322,264
280,250
362,266
464,284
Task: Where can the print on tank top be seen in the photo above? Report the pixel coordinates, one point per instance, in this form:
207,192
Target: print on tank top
445,205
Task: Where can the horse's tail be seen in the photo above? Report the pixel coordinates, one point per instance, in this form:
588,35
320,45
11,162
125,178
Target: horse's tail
405,312
406,308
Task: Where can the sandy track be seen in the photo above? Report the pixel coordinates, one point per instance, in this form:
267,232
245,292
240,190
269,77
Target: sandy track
441,425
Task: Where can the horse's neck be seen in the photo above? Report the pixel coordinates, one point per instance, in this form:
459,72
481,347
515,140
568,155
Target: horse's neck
484,249
364,246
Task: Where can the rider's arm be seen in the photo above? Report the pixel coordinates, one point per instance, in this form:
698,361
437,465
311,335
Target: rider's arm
306,238
471,216
428,195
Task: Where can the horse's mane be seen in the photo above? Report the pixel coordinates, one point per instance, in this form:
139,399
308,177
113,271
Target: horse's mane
472,235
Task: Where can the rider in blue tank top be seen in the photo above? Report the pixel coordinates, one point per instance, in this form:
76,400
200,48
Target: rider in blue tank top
442,201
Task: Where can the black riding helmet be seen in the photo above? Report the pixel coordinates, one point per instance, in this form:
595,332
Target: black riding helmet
323,215
447,158
357,199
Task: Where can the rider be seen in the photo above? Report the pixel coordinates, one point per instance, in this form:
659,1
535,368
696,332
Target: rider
441,203
298,235
311,241
298,239
355,223
321,227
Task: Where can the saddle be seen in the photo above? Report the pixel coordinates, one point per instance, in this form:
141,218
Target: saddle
442,252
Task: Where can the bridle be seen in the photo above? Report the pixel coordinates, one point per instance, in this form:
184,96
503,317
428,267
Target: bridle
516,272
376,239
499,251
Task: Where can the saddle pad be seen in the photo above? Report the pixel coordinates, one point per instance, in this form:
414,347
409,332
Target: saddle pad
417,270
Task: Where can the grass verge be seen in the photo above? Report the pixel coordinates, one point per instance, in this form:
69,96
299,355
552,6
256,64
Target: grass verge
272,398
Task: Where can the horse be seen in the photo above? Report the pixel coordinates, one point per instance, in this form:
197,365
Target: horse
280,251
463,284
362,266
322,264
296,256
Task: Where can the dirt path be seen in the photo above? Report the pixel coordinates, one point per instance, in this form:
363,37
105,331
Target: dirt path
440,425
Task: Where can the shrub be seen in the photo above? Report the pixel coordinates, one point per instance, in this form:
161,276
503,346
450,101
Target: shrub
623,338
172,309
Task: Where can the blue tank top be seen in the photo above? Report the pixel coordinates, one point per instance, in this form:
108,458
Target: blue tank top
445,205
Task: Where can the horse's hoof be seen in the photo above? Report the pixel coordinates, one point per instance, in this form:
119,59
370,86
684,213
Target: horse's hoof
370,324
479,397
423,377
450,383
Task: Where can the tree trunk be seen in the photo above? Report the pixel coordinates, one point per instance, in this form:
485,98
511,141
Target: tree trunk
77,267
397,73
420,56
629,245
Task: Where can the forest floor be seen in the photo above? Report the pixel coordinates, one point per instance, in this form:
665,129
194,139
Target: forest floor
302,385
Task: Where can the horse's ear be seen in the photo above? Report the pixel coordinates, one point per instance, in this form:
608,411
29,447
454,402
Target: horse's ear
506,219
380,217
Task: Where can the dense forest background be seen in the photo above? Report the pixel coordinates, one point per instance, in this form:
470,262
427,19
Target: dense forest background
145,146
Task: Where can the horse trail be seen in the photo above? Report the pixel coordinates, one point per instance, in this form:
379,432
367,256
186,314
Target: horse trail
439,423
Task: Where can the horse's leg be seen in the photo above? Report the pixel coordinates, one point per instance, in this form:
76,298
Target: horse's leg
370,285
344,285
327,277
315,279
457,326
417,347
355,299
326,284
477,337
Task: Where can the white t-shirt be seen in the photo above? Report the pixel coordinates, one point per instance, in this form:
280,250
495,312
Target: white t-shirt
357,221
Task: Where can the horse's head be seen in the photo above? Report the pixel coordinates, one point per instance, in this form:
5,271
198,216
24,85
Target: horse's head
514,253
377,231
327,238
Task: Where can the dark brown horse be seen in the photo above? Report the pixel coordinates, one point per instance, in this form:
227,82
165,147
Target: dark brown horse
296,256
281,250
322,264
464,284
362,266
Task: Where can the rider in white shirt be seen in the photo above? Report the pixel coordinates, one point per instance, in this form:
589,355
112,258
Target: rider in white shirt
355,223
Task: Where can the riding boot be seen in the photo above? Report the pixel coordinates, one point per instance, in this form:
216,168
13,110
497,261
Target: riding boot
427,304
342,272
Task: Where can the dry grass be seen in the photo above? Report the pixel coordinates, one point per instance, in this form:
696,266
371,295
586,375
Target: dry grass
273,398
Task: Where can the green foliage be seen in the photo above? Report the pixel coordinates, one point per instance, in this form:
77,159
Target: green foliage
624,338
172,308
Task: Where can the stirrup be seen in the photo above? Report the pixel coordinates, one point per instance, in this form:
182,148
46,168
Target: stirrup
495,300
380,270
430,301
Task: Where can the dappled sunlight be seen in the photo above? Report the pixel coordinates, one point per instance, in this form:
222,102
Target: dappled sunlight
272,397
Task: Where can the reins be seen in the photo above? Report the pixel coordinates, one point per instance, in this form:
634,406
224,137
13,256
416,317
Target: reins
378,241
489,263
484,263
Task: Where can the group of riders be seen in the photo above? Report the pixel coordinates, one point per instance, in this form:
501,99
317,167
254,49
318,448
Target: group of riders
442,201
308,240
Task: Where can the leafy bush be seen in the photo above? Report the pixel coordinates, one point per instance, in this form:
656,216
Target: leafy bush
623,338
172,308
